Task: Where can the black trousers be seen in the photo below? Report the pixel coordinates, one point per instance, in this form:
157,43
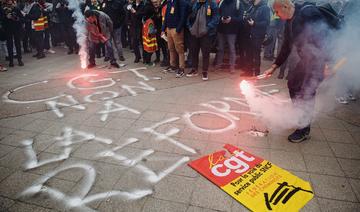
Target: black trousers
204,44
11,38
136,39
303,81
38,38
162,47
70,37
255,54
147,56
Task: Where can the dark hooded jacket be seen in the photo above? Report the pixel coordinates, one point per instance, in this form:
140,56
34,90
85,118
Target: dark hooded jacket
261,16
233,9
115,10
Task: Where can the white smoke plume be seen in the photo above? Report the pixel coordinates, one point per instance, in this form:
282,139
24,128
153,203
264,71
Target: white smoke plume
80,28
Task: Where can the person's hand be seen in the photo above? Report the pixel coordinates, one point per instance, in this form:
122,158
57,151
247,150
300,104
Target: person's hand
228,20
162,34
251,22
327,71
133,10
269,72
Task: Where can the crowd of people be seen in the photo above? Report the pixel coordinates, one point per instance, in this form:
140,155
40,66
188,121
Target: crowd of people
175,30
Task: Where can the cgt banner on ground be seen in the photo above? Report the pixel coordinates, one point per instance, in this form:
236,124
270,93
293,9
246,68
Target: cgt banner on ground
254,182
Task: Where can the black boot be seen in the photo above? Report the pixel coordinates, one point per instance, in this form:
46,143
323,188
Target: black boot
20,62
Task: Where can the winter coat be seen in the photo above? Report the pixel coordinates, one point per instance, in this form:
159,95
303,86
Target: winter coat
115,10
176,20
233,9
102,30
261,16
212,16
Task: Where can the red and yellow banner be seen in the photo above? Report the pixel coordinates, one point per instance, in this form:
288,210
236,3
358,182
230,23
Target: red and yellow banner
254,182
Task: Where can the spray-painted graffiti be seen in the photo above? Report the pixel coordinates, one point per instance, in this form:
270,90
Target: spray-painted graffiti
81,199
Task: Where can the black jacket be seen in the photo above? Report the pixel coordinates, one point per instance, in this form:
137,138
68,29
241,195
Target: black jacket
65,14
115,10
15,23
261,16
230,8
301,30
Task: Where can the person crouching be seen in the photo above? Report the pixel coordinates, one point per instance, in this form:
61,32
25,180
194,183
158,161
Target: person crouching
100,29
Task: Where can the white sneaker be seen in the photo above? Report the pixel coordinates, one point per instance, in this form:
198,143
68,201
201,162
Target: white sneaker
342,100
351,97
51,51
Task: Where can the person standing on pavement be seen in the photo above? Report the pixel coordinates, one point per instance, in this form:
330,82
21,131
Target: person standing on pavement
229,26
115,10
67,22
100,29
37,19
306,29
202,23
13,28
173,26
258,20
136,26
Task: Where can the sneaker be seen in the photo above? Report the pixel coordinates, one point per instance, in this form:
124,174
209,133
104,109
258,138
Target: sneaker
164,63
351,97
342,100
50,51
70,51
20,63
192,73
115,65
106,59
40,56
137,60
11,64
151,64
170,69
205,76
298,136
91,65
2,68
121,58
180,73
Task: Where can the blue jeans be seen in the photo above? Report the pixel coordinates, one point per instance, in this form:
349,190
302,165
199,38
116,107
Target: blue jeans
108,50
117,41
230,39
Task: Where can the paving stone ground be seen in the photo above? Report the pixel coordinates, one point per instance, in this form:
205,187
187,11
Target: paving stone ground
120,140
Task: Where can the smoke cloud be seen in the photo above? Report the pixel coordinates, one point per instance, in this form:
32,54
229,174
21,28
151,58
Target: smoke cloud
80,28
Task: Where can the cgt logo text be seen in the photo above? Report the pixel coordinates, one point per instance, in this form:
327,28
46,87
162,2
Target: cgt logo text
237,163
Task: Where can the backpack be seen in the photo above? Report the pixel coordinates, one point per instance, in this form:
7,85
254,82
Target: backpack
333,18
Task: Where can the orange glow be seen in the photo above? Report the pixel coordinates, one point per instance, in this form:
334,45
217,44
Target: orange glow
245,87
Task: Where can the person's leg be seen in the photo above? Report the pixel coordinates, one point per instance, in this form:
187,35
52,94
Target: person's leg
195,48
179,46
118,44
17,41
92,50
46,39
231,39
205,46
269,49
171,45
110,51
10,48
256,56
221,48
135,41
